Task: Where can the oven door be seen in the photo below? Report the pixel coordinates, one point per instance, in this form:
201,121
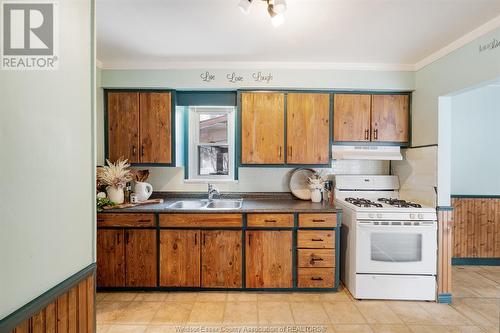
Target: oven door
391,247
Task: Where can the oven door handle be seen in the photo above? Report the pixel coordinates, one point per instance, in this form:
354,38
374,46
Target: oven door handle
382,225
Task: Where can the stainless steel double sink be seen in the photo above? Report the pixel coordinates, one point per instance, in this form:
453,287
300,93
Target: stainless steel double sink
205,204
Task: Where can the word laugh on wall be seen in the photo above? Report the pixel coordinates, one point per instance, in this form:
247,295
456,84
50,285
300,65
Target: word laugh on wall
234,77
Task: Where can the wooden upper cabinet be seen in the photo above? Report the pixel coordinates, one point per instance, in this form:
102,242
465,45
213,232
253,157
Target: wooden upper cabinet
141,258
308,128
110,258
179,258
351,117
221,259
155,127
390,118
268,259
123,126
262,128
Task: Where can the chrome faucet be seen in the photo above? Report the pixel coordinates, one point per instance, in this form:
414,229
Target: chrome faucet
212,190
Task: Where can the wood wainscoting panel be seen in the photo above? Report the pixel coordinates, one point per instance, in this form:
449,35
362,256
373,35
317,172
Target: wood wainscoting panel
445,231
476,227
71,312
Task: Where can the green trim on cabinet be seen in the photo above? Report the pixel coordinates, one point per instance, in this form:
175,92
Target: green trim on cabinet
444,298
8,323
207,98
475,261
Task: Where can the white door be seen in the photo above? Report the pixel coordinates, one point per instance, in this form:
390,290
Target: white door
389,247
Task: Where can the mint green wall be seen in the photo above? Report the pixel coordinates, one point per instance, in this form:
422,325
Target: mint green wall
461,69
311,79
475,142
47,220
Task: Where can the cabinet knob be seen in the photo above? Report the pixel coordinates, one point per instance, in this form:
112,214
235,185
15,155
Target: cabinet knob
375,134
279,151
134,150
367,135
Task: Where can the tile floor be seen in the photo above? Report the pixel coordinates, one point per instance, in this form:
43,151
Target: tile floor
475,308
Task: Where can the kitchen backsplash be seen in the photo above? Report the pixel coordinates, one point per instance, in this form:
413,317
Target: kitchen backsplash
257,179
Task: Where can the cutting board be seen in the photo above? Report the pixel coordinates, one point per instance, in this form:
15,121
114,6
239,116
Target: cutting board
128,205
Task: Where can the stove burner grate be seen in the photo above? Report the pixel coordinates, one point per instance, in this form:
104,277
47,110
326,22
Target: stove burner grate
399,203
361,202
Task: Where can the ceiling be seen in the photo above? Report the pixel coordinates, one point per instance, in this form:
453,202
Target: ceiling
135,33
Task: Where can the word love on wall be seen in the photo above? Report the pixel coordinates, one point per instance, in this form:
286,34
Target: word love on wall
237,78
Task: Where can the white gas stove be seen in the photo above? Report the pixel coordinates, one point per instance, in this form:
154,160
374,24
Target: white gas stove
389,244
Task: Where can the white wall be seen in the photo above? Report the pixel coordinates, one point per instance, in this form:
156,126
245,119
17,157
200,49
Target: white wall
475,142
47,170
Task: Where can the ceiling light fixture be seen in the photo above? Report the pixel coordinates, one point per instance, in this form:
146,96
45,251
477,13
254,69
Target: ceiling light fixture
245,6
275,8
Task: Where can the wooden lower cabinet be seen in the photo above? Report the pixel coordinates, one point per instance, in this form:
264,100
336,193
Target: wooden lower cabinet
141,258
269,259
110,258
179,258
221,259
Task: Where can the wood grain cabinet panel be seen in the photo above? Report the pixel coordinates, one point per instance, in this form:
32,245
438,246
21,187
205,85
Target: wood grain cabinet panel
316,258
262,128
141,258
268,259
315,278
270,220
351,117
110,258
316,239
221,262
123,126
125,220
155,127
390,118
308,128
179,258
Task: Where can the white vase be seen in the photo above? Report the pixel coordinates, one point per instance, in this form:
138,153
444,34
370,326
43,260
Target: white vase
143,190
115,194
316,195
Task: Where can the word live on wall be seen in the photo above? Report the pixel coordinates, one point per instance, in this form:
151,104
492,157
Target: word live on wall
490,45
234,77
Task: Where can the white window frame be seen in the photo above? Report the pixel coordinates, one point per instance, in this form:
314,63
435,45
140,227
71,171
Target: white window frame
194,141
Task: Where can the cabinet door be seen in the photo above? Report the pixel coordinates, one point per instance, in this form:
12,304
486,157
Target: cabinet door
262,128
155,128
110,258
268,259
308,128
221,259
141,258
180,258
390,118
123,126
351,117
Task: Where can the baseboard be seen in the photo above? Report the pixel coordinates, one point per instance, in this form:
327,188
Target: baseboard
476,261
27,311
444,298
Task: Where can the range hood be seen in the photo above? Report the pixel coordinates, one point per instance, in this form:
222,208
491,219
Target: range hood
392,153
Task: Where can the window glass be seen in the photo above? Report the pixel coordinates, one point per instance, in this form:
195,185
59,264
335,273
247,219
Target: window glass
213,128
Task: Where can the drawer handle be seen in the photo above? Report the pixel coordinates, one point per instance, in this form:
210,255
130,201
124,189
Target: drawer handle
317,239
319,220
271,221
144,220
316,259
317,279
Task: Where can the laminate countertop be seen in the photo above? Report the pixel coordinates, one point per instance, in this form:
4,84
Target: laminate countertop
252,203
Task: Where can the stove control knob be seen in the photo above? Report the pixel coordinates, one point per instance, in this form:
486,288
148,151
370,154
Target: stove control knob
420,216
412,216
371,215
379,215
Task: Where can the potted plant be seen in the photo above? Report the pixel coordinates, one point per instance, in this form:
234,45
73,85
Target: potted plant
115,176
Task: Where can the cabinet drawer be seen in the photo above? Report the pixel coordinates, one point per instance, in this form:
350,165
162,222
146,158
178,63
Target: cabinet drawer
315,278
316,258
316,239
125,220
317,220
200,220
270,220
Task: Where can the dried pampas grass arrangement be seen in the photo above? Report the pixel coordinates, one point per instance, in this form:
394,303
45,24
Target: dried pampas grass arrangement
115,174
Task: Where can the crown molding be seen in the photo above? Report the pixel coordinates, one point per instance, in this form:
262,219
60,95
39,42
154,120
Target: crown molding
462,41
258,65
